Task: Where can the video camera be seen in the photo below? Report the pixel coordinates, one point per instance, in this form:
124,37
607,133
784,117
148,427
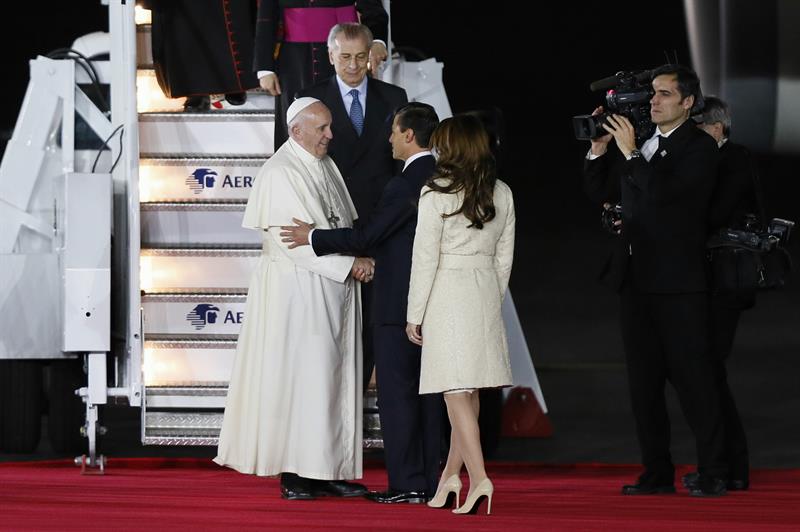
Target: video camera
609,218
752,237
627,94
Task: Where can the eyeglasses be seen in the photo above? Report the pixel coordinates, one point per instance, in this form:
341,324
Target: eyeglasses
346,59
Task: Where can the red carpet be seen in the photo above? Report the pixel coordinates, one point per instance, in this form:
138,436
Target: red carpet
157,494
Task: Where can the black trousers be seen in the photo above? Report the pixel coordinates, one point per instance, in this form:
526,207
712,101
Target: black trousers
666,339
724,318
411,423
367,333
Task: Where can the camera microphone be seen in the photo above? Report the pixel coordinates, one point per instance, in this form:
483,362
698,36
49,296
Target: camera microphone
612,81
605,83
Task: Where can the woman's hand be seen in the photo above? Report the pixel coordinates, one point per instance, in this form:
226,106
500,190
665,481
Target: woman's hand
414,333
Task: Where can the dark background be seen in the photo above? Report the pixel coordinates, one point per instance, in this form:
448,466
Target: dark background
534,61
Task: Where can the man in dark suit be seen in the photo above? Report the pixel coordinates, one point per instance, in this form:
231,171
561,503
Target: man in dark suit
659,267
290,44
362,110
410,422
734,198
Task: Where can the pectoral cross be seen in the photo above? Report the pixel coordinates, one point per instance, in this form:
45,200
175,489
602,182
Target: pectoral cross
333,219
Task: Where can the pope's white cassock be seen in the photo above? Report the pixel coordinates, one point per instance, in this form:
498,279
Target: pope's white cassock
294,400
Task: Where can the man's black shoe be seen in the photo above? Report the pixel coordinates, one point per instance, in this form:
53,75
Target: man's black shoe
338,488
647,488
738,484
194,104
707,487
391,496
236,98
689,480
296,488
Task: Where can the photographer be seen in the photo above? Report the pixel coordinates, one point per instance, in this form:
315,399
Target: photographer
658,265
733,200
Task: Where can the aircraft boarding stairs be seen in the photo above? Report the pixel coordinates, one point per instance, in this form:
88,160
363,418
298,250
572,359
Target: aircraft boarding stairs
196,171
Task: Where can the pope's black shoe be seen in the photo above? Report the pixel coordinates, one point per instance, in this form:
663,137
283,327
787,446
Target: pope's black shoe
649,484
391,496
296,488
706,486
338,488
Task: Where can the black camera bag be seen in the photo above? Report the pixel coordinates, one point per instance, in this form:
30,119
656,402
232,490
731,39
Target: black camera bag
742,262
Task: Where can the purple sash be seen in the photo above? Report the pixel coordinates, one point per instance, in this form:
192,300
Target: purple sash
312,24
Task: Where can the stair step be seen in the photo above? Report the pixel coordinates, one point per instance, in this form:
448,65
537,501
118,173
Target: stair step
182,424
191,440
195,224
194,206
373,443
217,315
189,397
180,441
174,361
207,134
202,427
150,98
197,179
198,270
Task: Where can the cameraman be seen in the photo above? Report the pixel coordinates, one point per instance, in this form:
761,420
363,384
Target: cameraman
734,198
658,265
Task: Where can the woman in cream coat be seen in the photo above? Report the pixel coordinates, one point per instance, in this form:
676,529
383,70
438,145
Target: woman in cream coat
462,257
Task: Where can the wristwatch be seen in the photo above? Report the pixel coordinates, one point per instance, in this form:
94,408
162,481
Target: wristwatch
635,154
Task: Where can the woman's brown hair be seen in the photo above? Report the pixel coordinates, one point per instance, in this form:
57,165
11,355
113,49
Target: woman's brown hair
466,163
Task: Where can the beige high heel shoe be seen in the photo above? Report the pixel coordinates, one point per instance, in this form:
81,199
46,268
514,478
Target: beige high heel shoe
447,493
474,498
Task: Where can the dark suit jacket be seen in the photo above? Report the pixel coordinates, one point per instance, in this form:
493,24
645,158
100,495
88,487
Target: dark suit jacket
365,162
665,214
734,196
734,192
389,235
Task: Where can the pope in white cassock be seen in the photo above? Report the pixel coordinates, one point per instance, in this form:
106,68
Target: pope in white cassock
294,399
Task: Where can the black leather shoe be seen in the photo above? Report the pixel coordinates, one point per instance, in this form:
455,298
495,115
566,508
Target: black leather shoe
338,488
236,98
706,486
296,488
647,488
391,496
194,104
738,484
689,480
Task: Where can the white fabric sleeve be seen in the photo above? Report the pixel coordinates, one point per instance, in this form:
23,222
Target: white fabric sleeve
504,250
425,256
334,267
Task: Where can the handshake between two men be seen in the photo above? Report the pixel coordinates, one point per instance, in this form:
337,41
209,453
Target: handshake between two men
297,235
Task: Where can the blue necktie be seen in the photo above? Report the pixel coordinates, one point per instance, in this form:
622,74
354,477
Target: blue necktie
356,112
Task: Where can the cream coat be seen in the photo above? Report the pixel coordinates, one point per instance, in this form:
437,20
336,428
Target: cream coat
459,277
